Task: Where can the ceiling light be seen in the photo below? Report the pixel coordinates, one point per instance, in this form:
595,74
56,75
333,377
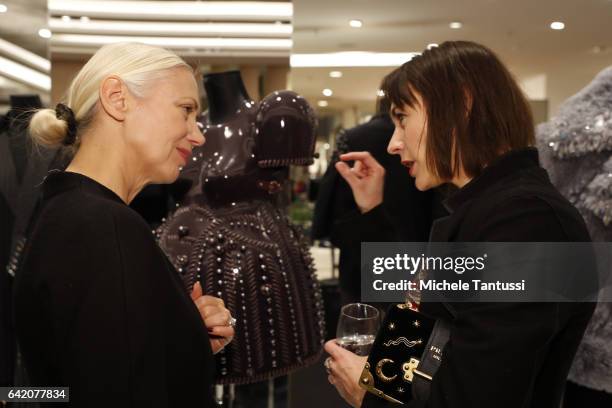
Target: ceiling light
432,45
175,10
171,28
66,18
23,55
23,74
557,25
84,19
351,59
328,92
6,83
335,74
176,42
204,52
356,23
3,8
380,93
455,25
44,33
323,104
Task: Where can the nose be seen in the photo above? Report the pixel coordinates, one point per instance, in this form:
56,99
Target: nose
196,137
396,144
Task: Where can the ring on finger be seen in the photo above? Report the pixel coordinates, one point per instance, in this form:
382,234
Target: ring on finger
327,365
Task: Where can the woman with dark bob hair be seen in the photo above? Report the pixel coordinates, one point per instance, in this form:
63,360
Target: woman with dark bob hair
461,119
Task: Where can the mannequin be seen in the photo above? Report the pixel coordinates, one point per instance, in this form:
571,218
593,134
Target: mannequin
230,233
576,149
18,118
18,177
226,95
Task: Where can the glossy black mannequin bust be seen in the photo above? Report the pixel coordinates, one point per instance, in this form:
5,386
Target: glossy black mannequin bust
230,234
226,94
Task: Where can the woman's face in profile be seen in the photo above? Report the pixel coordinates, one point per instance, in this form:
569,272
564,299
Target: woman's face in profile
409,141
162,128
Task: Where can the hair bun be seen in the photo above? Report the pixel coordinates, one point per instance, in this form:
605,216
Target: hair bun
46,129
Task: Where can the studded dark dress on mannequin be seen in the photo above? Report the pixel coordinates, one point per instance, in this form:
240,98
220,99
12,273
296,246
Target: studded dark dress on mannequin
230,234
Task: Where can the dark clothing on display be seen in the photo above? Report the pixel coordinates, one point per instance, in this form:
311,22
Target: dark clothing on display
6,331
576,149
500,354
580,396
231,233
100,309
7,221
410,210
19,174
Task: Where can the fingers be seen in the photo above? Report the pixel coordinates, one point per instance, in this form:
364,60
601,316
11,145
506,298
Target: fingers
365,157
209,304
223,331
196,296
346,173
213,311
213,301
215,317
331,347
196,292
335,351
218,344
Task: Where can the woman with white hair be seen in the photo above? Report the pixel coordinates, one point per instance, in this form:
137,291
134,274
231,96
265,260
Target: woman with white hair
98,307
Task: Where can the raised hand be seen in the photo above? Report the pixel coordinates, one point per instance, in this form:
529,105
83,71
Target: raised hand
216,317
366,179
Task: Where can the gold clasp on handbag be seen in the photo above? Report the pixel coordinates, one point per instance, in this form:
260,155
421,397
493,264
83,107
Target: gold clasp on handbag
409,368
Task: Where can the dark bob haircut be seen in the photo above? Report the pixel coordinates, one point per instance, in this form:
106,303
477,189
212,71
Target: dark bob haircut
475,109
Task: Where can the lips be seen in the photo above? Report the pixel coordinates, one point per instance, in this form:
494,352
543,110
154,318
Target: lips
409,164
184,153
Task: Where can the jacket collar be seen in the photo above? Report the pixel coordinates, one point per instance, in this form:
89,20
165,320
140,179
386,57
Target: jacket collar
58,181
504,166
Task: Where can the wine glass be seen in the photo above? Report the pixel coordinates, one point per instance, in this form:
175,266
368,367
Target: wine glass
357,327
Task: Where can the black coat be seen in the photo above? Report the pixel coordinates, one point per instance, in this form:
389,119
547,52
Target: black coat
100,309
409,209
514,355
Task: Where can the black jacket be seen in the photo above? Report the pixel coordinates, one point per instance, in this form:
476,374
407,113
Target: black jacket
514,355
409,209
100,309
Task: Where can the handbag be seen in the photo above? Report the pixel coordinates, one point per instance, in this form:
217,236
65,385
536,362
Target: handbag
405,355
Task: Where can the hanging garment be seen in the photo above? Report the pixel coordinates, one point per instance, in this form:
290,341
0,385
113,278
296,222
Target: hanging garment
576,149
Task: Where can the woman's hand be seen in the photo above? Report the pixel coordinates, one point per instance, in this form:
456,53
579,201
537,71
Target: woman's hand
216,317
366,179
344,369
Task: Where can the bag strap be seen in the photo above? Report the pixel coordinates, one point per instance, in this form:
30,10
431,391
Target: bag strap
430,360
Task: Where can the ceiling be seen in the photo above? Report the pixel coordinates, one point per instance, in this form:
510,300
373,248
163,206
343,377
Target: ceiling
517,30
21,23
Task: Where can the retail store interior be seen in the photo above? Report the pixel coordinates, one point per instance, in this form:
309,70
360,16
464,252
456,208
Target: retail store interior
333,54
